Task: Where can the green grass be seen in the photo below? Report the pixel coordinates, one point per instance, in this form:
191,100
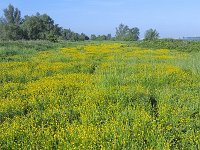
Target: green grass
23,50
100,95
172,44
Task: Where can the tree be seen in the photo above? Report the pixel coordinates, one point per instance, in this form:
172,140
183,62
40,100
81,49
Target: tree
101,37
83,37
109,37
32,26
124,33
41,27
66,34
93,37
12,15
10,32
35,27
10,24
133,34
151,34
75,37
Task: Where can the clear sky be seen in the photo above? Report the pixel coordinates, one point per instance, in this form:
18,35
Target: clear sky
172,18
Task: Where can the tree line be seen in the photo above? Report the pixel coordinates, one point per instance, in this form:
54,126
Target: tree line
35,27
42,27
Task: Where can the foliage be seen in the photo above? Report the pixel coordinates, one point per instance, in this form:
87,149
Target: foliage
40,27
107,95
67,34
171,44
124,33
151,34
35,27
12,15
101,37
10,25
93,37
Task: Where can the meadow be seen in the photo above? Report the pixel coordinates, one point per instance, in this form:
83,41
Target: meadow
99,95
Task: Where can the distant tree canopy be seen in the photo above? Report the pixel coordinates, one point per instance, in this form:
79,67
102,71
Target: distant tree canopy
10,24
151,34
12,15
67,34
35,27
42,27
101,37
124,33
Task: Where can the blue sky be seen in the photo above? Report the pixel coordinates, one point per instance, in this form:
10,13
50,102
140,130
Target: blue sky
172,18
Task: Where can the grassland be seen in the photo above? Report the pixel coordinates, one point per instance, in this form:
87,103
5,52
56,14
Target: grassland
100,96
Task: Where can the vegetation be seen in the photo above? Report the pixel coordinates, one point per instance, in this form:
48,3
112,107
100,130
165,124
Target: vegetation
67,34
99,95
101,37
151,34
124,33
42,27
23,50
172,44
10,25
57,93
35,27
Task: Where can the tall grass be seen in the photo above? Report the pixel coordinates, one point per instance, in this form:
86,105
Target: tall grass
23,50
100,96
172,44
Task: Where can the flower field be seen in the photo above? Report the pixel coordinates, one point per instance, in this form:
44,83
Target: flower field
100,96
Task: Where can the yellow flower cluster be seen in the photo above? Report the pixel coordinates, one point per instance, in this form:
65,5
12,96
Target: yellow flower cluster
100,96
